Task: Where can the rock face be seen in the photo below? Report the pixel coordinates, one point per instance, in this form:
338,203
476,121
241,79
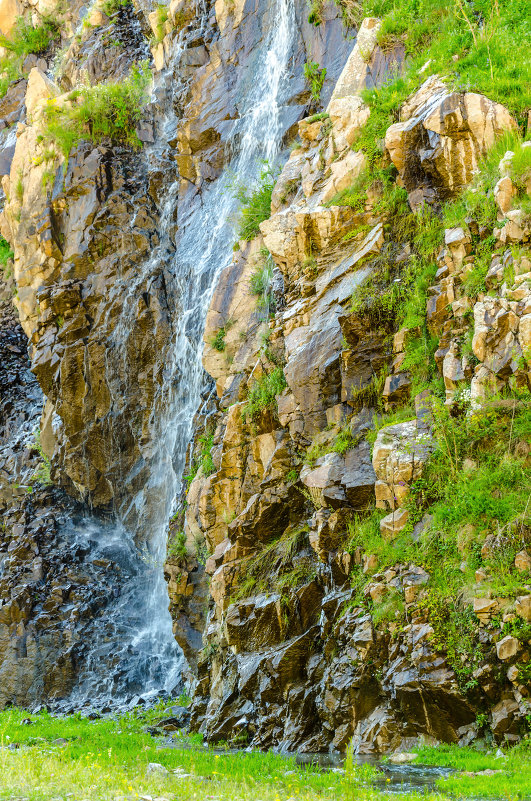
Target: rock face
294,654
295,636
96,296
440,139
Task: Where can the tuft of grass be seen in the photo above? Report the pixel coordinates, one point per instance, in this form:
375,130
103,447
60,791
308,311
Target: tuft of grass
106,111
260,284
263,394
176,548
315,78
255,203
112,7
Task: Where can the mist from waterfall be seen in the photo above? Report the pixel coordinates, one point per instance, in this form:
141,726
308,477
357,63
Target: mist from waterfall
130,649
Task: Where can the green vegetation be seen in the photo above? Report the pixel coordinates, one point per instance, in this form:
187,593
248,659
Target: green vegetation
43,473
203,461
161,19
176,548
255,203
341,442
106,111
5,255
351,12
315,78
490,493
101,760
477,46
111,7
25,39
512,781
218,340
272,567
261,281
263,394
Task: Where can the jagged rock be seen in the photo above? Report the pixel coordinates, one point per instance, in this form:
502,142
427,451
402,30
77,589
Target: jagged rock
393,523
398,456
441,137
503,717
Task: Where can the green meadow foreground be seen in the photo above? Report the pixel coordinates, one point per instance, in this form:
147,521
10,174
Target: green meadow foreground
43,757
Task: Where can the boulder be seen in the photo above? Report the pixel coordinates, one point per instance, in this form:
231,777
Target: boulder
523,607
393,523
442,135
507,647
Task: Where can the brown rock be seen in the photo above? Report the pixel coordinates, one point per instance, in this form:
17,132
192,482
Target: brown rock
392,524
522,562
507,647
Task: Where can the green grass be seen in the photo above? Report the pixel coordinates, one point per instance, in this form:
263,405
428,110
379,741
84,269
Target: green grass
255,203
26,38
105,111
513,783
176,548
486,53
263,394
203,460
489,497
260,284
106,759
315,78
5,254
111,7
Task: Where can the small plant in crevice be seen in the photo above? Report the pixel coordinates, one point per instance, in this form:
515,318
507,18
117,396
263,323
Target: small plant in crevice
112,7
315,78
260,284
176,548
255,202
43,473
217,341
202,458
106,111
25,38
262,395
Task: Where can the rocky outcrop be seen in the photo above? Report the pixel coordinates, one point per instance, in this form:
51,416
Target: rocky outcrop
295,655
440,139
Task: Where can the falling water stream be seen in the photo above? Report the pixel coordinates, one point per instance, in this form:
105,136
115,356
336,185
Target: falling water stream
130,650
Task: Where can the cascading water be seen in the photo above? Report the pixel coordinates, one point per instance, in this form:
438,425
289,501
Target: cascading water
131,649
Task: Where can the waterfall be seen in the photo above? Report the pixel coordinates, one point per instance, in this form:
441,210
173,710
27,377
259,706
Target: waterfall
130,649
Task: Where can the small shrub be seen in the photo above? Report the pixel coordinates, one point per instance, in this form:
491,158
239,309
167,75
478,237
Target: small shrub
5,252
162,17
263,394
177,547
315,78
106,111
255,203
261,283
43,473
111,7
28,38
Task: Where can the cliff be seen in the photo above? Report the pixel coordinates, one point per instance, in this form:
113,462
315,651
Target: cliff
348,553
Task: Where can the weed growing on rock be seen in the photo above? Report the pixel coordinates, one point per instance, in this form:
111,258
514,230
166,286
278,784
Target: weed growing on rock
263,394
176,548
105,111
25,39
261,281
255,203
315,78
111,7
